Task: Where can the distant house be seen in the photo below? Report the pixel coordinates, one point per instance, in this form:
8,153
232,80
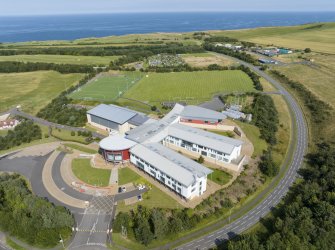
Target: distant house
267,61
8,124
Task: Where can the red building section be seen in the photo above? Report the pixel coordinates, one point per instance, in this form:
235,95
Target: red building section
200,121
116,148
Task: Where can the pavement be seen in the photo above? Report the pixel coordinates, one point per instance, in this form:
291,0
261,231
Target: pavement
41,165
251,214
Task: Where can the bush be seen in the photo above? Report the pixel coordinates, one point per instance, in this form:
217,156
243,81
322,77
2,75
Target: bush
73,133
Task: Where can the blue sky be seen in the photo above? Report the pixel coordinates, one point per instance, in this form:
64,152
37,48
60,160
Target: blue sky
47,7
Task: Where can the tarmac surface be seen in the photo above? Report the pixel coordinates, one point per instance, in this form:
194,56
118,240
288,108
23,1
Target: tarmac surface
93,224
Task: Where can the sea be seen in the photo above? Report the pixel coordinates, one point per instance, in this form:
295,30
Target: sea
70,27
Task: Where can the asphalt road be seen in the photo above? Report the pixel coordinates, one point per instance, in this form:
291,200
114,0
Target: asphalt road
93,222
253,216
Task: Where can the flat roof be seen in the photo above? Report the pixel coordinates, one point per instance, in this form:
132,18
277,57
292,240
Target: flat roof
138,119
180,168
112,113
157,129
195,112
116,143
203,138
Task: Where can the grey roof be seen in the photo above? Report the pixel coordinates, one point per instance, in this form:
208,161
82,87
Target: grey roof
195,112
200,137
157,129
112,113
138,119
233,114
173,164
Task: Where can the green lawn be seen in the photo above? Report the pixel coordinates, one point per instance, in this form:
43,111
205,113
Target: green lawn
253,134
65,135
80,148
3,132
61,59
192,86
93,176
13,244
107,88
33,90
126,175
153,198
219,176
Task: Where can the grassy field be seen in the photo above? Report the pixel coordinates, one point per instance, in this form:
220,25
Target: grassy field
220,177
201,60
65,135
319,79
319,37
93,176
194,87
81,148
253,134
13,244
107,87
61,59
126,175
33,90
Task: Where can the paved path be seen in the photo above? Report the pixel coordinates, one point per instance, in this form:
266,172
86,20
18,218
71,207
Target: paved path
270,197
114,176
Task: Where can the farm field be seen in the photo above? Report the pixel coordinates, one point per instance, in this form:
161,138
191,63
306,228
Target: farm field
205,59
108,87
33,90
61,59
320,80
319,37
193,87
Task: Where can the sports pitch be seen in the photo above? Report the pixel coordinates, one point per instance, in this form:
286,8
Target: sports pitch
107,88
193,87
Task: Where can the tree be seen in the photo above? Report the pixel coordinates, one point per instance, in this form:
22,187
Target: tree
307,50
142,231
201,159
267,166
158,223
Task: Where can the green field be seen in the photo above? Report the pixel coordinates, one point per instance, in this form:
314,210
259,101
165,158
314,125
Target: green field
81,148
107,88
319,37
220,177
61,59
93,176
193,87
33,90
126,175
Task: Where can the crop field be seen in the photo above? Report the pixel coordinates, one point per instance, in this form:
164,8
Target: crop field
193,87
61,59
319,37
33,90
107,87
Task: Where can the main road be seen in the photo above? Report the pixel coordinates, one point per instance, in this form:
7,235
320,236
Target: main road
270,197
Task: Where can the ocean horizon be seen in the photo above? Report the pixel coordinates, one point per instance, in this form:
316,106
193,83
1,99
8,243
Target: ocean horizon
71,27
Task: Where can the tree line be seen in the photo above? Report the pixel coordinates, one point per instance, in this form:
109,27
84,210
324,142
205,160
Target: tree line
16,67
319,109
30,218
24,132
58,111
229,52
171,48
306,220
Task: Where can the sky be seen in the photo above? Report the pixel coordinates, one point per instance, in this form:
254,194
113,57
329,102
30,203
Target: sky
49,7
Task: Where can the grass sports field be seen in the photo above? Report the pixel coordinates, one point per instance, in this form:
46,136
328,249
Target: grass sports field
33,90
61,59
191,86
107,88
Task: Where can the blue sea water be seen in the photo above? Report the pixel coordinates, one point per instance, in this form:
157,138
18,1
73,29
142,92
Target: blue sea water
69,27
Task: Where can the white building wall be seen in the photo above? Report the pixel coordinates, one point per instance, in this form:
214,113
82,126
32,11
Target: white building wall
188,192
200,150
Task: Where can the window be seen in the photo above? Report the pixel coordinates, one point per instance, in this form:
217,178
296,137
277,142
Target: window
192,190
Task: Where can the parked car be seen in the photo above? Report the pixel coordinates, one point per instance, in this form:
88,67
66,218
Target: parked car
139,197
124,189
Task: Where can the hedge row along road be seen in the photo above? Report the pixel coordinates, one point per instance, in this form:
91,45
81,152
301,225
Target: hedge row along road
251,214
